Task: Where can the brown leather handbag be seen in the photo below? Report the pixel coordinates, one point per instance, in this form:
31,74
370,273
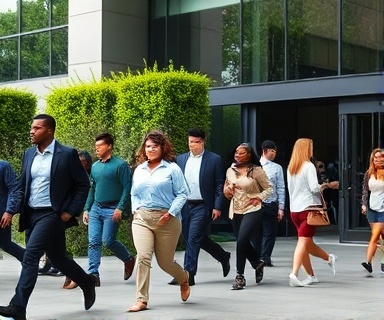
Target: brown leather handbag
318,216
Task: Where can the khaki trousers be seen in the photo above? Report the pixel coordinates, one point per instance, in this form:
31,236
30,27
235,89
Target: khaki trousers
149,239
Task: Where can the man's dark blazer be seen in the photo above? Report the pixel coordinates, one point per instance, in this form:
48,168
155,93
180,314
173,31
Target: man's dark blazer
210,178
69,184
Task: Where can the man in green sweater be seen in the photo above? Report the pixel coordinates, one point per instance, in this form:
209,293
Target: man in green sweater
108,198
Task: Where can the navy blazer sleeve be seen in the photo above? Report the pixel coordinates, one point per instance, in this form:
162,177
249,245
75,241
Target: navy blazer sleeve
211,180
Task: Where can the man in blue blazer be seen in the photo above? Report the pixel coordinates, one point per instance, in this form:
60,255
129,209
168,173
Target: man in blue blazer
203,172
55,187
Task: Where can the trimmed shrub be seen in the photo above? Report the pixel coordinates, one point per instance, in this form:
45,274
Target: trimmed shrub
169,100
17,108
128,106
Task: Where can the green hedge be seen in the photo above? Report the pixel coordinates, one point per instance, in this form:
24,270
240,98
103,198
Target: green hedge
17,108
170,100
128,105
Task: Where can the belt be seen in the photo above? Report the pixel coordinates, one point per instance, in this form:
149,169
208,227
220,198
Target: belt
41,209
195,201
110,204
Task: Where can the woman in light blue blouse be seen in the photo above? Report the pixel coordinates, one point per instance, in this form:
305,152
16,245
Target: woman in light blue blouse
158,193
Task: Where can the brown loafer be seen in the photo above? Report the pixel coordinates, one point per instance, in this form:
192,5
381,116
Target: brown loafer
128,268
67,281
185,290
72,285
138,306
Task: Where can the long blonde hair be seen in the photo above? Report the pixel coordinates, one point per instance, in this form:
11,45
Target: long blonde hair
302,152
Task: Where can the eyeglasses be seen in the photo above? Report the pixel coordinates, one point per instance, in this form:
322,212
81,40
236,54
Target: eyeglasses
273,150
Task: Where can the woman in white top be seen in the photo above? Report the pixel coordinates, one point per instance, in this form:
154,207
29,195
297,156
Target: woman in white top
304,191
373,202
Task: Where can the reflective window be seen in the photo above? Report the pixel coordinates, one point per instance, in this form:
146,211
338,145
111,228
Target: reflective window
363,36
8,17
59,63
59,12
225,127
35,55
39,48
34,15
263,41
8,59
199,35
312,38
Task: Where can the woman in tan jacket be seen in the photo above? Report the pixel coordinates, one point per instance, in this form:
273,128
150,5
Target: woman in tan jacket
247,186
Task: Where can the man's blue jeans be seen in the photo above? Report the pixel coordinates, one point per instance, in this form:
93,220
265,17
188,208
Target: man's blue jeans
102,230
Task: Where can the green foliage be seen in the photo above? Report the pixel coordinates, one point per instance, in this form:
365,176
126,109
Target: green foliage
128,106
17,108
82,111
169,100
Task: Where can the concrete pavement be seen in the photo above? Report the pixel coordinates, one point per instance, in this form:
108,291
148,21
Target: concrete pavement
351,294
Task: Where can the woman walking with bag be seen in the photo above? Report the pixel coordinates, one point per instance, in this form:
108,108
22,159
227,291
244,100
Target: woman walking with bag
304,191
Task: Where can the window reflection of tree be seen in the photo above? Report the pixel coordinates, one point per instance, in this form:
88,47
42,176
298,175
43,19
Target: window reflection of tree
43,34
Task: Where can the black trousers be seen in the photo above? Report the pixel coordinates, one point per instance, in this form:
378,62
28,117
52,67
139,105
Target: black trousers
248,231
46,234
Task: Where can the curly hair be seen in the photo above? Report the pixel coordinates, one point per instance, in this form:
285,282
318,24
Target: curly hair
372,170
158,137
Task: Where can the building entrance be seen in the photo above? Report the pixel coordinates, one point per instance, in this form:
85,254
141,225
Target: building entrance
361,131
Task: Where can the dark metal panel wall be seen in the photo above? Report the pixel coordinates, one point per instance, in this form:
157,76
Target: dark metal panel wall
333,87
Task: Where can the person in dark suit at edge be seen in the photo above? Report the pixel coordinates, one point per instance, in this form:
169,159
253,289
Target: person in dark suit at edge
55,187
203,172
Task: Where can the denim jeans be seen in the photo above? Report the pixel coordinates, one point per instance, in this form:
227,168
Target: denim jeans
102,230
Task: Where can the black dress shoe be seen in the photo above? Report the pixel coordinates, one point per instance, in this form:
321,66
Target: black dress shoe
191,281
89,292
53,272
173,282
15,312
226,264
259,272
45,268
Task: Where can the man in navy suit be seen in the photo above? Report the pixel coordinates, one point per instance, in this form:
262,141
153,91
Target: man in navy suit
203,172
55,187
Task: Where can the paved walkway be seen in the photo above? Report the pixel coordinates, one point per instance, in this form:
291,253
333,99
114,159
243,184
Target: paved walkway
349,295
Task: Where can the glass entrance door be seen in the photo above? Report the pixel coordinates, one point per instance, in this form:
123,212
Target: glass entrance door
360,134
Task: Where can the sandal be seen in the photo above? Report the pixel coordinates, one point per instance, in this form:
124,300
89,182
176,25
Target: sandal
138,306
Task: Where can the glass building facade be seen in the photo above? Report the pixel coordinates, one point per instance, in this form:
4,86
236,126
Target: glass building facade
33,39
258,41
284,69
280,69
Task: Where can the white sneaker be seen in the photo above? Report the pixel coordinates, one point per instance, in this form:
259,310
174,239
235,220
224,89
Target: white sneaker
332,263
294,282
310,280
